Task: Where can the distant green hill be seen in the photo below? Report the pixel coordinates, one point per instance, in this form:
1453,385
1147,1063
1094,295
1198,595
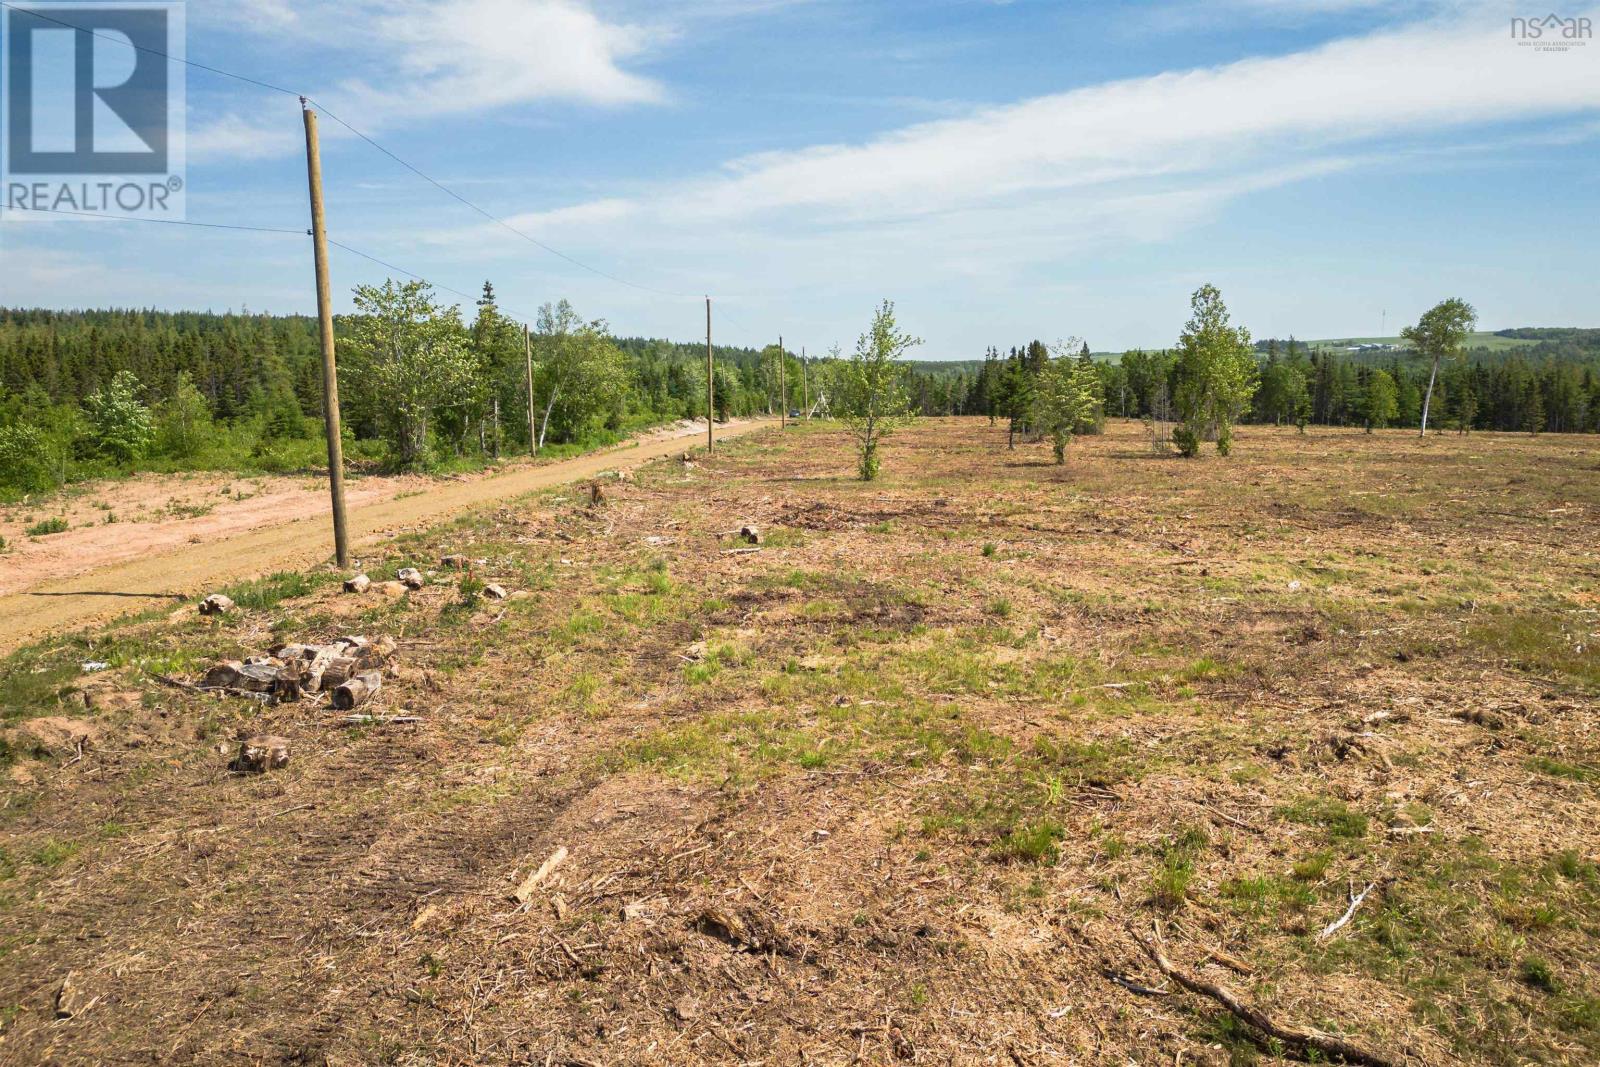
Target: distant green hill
1494,342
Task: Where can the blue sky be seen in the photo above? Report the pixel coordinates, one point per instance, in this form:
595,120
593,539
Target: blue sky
1001,170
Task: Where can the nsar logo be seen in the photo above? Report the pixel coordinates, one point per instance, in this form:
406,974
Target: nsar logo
1552,33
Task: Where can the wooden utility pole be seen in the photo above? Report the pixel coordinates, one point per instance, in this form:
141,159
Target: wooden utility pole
783,394
330,371
527,355
805,384
711,393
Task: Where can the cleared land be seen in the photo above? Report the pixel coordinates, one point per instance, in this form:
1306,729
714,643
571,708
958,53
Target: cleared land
1480,339
901,786
177,534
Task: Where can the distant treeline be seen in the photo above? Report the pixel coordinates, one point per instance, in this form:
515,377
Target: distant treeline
1552,386
89,393
86,393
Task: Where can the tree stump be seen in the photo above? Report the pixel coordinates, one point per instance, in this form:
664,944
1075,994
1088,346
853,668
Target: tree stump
340,669
357,691
261,753
495,592
224,675
71,998
358,584
454,563
216,604
411,578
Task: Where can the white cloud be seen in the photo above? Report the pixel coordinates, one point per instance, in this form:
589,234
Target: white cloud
485,53
234,137
1157,135
442,57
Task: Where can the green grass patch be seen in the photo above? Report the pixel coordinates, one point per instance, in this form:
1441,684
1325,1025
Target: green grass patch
1337,819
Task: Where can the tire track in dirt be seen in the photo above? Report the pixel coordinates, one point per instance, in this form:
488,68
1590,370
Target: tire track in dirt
187,570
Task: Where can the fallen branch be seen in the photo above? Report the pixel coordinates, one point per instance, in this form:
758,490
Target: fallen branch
1225,816
1304,1038
1135,987
231,690
1091,688
524,893
1355,902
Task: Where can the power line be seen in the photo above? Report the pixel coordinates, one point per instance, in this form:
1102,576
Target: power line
510,313
163,222
304,99
152,51
495,218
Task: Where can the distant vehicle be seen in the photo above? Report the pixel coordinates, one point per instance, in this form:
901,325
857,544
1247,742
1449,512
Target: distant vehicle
794,413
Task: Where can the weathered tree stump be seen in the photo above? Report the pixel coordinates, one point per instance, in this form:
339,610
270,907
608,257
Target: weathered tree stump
71,997
257,677
411,578
597,494
223,675
261,753
495,592
340,669
358,584
455,563
289,685
216,604
357,691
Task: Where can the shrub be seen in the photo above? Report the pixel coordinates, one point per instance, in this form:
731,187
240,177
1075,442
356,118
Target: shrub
183,423
55,525
119,425
24,463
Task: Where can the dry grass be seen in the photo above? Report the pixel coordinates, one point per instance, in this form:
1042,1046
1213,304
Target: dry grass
892,788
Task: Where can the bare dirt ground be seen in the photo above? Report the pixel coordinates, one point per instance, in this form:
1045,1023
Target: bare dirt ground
906,785
159,536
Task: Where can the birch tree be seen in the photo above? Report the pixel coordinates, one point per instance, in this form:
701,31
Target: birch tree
870,394
1438,335
580,376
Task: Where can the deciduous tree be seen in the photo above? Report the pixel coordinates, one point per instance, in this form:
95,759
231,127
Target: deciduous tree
1216,374
407,362
580,375
1065,400
1379,401
120,427
1440,334
869,387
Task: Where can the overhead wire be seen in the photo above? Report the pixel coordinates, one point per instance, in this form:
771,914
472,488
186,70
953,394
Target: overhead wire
307,100
163,222
395,156
509,313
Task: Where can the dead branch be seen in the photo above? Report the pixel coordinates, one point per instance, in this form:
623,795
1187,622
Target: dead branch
1355,902
1134,987
1304,1038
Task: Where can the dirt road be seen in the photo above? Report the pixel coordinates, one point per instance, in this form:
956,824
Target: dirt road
181,569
